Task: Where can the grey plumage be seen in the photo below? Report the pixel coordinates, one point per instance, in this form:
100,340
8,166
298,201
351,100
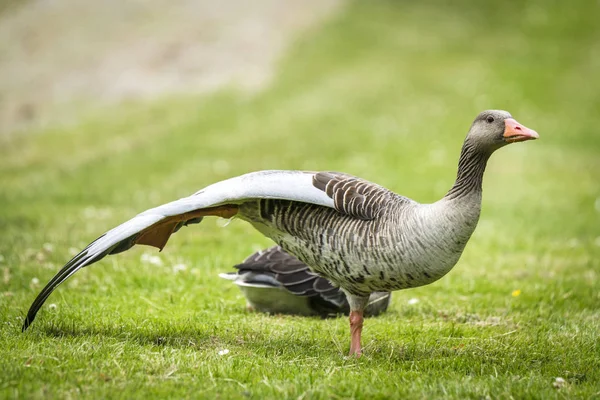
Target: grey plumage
359,235
276,282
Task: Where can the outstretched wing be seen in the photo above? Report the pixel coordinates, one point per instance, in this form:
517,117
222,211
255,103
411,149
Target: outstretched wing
353,196
154,227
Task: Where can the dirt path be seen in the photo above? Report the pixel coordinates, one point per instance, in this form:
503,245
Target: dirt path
61,55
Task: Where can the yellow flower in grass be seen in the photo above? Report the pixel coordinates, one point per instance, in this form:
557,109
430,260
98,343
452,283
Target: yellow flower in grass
516,292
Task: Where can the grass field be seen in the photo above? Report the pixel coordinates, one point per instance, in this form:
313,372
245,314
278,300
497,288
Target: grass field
386,91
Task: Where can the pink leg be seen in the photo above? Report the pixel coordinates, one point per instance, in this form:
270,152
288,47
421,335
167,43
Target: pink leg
356,324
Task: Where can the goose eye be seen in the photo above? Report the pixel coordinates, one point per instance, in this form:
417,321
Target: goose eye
490,119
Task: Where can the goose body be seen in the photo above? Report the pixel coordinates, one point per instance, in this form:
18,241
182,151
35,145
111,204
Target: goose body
360,236
405,244
276,282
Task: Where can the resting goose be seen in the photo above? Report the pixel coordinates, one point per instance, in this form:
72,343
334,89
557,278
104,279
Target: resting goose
276,282
359,235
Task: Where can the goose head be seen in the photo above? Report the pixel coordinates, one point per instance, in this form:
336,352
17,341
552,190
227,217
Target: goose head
493,129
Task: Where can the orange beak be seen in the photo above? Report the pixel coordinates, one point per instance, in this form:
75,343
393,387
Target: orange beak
515,132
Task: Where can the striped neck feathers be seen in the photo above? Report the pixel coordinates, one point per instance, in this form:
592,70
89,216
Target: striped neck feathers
471,167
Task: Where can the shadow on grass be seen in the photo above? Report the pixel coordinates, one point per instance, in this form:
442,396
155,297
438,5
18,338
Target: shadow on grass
259,342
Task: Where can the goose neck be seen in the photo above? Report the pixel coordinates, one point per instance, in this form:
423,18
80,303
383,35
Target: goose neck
471,167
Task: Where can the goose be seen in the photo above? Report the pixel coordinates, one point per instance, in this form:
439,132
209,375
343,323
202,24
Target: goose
360,236
276,282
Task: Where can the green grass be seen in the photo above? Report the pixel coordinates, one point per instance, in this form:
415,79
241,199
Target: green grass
385,91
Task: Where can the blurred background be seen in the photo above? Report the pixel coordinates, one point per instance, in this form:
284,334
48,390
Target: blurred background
68,54
384,90
109,108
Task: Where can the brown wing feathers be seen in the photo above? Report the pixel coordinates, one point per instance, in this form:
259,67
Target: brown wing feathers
351,195
158,234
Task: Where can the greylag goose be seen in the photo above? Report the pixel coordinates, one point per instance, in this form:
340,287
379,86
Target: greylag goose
276,282
359,235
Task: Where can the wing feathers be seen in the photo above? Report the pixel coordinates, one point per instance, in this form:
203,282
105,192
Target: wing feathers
286,269
154,227
158,235
353,196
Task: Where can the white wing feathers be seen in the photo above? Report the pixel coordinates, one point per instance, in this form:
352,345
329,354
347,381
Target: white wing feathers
168,218
284,185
